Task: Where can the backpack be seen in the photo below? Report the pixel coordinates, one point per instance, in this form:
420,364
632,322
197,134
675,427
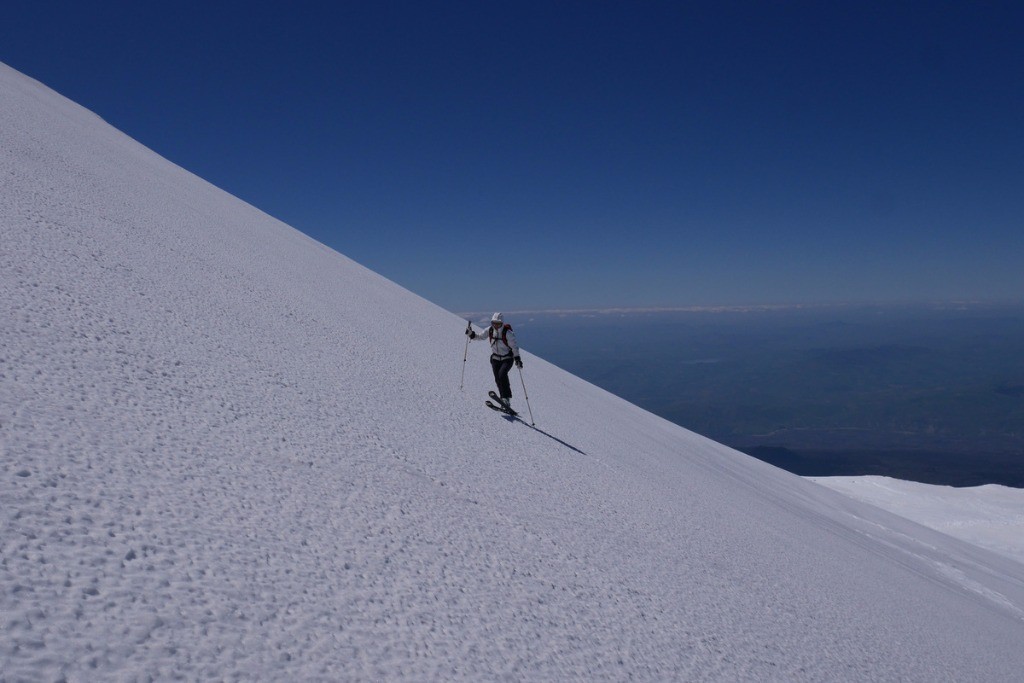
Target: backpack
504,333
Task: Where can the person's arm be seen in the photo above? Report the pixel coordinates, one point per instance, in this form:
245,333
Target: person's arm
510,337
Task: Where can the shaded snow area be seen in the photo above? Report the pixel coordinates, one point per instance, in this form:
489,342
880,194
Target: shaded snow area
229,452
988,516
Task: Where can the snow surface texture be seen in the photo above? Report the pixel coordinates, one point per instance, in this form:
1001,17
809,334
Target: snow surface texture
988,516
229,452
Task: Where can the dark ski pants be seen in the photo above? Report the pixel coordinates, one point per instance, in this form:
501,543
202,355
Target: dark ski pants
501,369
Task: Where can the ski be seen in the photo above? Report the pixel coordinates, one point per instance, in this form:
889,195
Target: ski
497,400
509,412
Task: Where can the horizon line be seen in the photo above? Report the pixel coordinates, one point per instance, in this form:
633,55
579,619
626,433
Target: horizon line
744,308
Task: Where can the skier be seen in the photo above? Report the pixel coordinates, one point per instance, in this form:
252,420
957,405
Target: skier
504,352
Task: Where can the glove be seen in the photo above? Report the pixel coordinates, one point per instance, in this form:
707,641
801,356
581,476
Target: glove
471,333
519,362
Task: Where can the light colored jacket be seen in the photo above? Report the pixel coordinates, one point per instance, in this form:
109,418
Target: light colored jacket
502,340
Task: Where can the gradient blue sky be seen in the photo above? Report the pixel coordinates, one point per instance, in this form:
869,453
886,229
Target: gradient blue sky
586,154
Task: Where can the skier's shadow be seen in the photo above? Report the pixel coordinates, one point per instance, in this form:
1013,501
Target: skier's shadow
541,431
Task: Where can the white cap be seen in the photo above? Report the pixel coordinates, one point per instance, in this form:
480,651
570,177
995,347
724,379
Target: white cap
497,318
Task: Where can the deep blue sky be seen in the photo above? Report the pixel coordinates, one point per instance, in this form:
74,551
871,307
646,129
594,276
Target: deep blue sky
586,154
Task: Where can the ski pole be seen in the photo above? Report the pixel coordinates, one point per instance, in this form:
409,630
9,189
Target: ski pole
527,397
465,354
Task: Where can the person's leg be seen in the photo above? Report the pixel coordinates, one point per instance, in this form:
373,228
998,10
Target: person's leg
501,377
496,369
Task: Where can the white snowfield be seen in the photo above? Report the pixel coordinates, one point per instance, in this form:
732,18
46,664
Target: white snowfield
990,516
231,453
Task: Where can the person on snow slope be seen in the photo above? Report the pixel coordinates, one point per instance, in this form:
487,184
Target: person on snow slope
504,352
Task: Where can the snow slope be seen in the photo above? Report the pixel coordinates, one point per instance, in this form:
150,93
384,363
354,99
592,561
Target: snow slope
989,516
229,452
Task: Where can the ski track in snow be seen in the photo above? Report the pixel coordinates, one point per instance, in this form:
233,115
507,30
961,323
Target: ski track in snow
231,453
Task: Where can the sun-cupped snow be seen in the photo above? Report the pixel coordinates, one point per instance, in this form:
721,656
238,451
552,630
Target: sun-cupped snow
229,452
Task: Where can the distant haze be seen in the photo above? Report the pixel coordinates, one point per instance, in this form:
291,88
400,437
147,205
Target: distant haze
928,393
